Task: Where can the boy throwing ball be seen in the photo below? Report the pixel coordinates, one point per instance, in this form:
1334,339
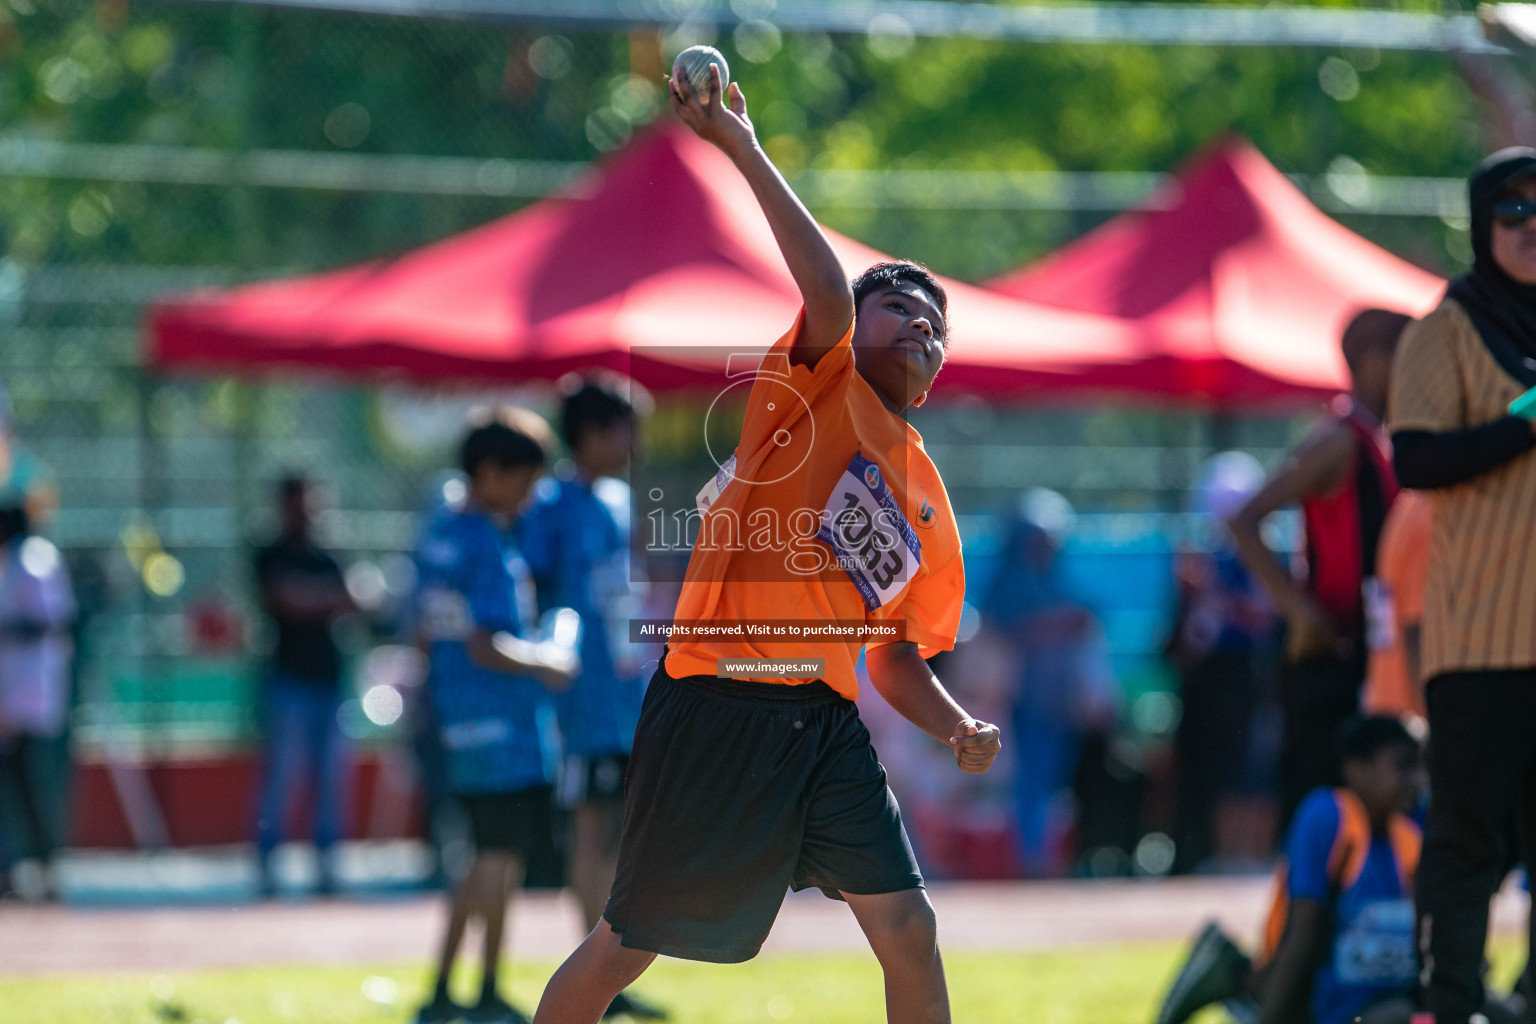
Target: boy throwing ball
740,784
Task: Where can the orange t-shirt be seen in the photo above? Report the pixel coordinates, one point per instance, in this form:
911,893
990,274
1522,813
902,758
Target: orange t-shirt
822,469
1402,563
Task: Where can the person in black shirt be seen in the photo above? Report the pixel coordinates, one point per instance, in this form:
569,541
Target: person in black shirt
302,592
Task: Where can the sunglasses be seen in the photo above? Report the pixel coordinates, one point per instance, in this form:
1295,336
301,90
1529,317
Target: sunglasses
1514,212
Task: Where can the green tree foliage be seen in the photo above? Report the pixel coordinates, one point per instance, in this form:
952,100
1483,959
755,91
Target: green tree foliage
231,77
963,104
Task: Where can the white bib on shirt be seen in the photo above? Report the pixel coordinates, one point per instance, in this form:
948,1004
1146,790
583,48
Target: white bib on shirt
869,535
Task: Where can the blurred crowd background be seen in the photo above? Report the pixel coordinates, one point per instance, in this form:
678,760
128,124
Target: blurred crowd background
149,148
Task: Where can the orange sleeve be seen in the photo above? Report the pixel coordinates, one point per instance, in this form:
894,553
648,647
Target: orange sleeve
1404,557
764,414
931,607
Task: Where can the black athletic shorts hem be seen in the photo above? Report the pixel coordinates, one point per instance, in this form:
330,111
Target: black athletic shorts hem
902,884
736,792
741,954
517,821
702,954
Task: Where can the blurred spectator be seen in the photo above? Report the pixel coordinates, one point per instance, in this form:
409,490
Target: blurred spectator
490,683
303,593
1108,781
37,609
447,846
1056,691
1338,945
1457,434
1341,476
1395,605
445,818
23,479
576,537
1221,628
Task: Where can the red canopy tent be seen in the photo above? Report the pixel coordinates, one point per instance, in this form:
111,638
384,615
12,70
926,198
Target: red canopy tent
1243,285
656,263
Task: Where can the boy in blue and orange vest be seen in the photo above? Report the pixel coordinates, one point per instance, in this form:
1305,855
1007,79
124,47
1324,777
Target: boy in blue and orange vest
1339,942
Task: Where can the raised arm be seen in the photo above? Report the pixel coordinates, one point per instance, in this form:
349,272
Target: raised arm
820,277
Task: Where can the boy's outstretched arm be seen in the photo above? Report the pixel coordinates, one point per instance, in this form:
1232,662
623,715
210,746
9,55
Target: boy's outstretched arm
903,678
820,277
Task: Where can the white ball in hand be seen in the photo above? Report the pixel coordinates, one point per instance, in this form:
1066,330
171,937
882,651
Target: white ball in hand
693,64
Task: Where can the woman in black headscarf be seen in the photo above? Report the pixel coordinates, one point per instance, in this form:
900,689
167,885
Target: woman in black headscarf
1454,377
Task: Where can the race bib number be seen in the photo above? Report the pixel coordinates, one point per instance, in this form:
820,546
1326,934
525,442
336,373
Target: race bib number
870,538
1377,948
1380,614
711,491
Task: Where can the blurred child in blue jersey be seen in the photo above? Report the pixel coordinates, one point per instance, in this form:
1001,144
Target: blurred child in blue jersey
1224,633
1339,942
1061,689
576,538
37,606
491,685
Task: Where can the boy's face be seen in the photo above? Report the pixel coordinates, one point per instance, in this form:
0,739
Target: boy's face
503,489
1392,780
606,451
898,342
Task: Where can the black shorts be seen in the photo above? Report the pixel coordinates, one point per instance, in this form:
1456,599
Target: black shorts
1319,694
592,780
517,822
736,792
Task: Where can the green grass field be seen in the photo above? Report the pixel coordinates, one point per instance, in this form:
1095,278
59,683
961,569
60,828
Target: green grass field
1117,984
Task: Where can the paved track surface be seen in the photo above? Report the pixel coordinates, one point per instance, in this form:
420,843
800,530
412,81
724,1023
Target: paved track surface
977,916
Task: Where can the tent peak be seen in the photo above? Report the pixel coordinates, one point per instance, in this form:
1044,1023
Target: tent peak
1234,267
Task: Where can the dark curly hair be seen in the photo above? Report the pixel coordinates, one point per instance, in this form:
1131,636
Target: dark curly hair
507,436
594,402
1362,737
884,275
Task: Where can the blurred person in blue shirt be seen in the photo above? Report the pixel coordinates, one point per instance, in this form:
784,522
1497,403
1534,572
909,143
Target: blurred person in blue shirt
1223,629
576,537
37,608
444,816
1338,944
1062,687
1347,933
491,685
